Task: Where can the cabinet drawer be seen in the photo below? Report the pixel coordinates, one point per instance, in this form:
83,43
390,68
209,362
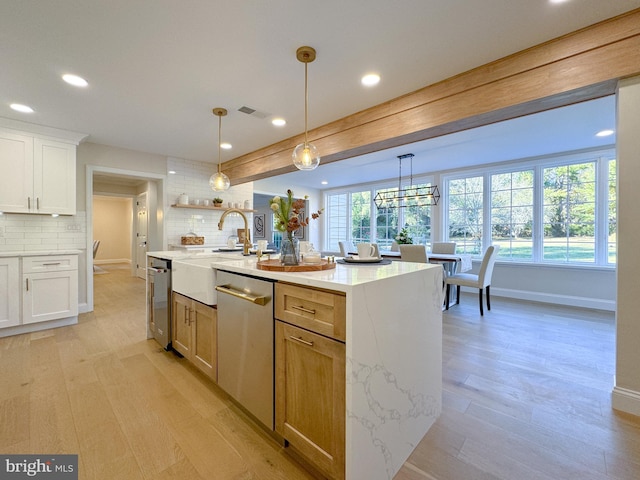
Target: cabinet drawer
49,263
316,310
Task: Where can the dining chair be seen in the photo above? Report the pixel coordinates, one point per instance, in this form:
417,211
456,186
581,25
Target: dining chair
395,247
414,253
96,244
346,247
443,247
376,250
481,281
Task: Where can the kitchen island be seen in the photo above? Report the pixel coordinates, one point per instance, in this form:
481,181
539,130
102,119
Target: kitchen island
393,347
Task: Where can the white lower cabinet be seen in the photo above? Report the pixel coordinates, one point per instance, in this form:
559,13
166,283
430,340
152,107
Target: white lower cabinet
46,289
9,292
50,288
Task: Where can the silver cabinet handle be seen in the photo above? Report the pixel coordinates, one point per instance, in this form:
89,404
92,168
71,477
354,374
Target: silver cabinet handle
306,310
51,264
186,314
301,340
29,203
27,284
37,203
258,300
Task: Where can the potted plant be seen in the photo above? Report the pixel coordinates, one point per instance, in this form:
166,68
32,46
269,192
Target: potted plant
217,202
403,237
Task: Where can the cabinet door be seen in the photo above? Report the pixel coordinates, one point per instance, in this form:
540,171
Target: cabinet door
9,292
16,165
204,343
180,328
49,296
310,396
54,177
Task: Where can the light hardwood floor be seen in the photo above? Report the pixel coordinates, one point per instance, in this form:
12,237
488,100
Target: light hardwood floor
526,396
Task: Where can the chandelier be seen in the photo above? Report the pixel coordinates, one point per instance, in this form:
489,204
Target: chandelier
412,196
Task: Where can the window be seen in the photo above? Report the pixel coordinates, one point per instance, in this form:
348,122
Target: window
465,214
361,217
569,213
353,215
512,214
555,210
612,231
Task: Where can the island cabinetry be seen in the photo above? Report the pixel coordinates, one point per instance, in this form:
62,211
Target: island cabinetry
310,375
50,288
193,333
43,178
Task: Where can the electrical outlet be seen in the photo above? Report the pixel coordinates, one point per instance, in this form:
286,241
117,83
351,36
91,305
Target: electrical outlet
74,227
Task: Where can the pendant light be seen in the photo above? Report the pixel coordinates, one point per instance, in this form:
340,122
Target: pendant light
418,196
219,181
305,155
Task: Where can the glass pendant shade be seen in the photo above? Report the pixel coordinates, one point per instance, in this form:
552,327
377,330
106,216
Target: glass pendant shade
306,156
219,182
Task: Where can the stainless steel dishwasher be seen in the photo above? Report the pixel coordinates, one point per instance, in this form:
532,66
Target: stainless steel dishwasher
159,300
245,342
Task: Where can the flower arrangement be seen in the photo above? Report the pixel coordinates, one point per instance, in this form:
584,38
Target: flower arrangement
287,213
403,237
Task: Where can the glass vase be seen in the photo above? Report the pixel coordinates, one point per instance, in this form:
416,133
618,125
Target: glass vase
289,250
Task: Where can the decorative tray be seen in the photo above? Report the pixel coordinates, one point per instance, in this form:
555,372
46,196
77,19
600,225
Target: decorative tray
276,266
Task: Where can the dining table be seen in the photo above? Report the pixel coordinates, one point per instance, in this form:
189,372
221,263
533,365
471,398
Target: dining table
453,262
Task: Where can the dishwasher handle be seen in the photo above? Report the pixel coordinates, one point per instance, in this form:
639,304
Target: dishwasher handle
258,300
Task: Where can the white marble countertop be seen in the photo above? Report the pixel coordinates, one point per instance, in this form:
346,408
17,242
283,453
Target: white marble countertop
343,278
38,253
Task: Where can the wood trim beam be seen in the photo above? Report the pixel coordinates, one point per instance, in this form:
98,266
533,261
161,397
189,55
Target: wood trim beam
580,66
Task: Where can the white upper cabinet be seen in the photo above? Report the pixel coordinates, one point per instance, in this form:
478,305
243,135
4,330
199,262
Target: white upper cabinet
16,165
38,171
54,177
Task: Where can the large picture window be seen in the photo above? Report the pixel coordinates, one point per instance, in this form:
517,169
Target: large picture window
556,210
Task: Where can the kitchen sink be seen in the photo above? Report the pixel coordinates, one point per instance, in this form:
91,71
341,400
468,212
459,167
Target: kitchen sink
195,278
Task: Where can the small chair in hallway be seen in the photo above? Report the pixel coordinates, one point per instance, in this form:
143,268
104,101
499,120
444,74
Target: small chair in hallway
414,253
481,281
346,247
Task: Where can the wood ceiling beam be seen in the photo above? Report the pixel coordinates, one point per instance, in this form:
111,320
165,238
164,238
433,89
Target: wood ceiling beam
576,67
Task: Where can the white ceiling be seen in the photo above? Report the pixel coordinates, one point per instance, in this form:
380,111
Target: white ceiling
156,68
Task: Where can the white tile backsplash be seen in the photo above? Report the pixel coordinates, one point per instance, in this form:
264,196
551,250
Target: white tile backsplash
25,232
192,178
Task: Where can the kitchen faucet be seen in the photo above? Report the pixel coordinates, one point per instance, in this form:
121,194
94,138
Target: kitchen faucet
247,245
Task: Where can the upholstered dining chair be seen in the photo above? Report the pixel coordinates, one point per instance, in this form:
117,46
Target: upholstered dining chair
481,281
96,245
395,247
346,247
414,253
443,247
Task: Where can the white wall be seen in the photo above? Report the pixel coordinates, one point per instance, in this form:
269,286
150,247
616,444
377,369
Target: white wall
626,394
112,226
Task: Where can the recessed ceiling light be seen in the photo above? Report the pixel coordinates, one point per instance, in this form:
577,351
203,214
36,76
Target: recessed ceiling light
172,172
324,182
604,133
558,1
225,145
370,79
18,107
279,122
75,80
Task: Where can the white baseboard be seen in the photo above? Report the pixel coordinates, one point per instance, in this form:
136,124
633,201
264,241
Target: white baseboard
112,260
36,327
572,301
83,308
626,400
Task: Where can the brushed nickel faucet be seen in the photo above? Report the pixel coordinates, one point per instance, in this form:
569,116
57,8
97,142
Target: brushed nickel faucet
246,246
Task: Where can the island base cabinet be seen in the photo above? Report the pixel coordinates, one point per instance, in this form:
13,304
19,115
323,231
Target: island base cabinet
194,333
310,397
